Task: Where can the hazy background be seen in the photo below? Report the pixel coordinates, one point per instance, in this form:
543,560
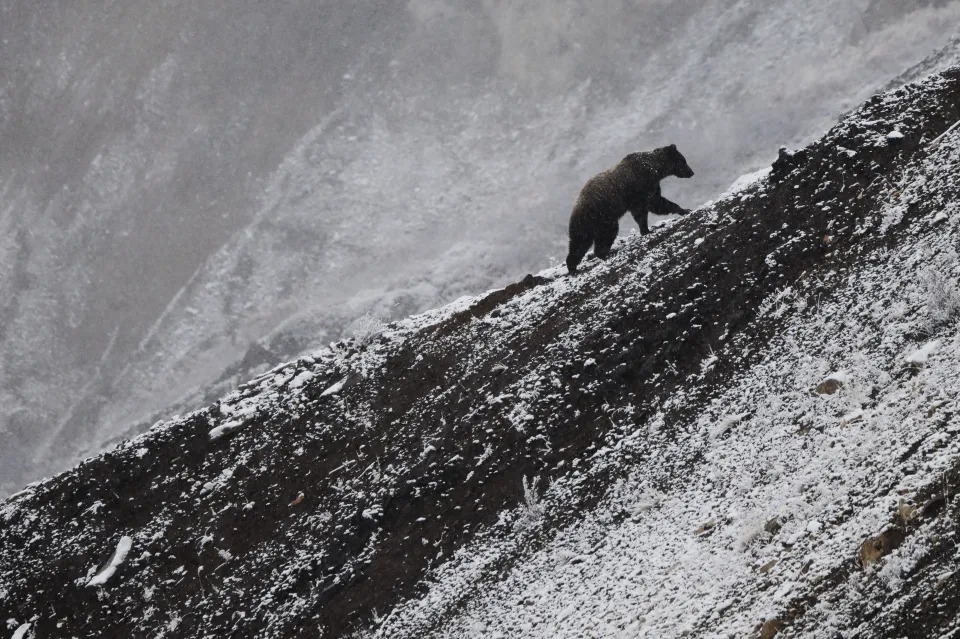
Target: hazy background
191,191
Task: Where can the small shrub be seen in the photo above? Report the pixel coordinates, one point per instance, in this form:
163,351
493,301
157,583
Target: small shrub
369,327
942,297
531,510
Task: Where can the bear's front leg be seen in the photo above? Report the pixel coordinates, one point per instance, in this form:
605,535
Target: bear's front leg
580,241
662,206
665,207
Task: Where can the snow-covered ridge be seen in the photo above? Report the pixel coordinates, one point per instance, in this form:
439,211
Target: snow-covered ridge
641,450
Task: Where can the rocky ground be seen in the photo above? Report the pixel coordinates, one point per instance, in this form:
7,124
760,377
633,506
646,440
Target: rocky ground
741,424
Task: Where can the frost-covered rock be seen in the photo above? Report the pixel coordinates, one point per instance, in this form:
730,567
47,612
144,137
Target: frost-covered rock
894,137
876,548
920,356
116,560
335,388
833,382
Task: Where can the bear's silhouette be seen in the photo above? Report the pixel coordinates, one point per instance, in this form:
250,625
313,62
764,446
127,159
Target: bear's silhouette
632,185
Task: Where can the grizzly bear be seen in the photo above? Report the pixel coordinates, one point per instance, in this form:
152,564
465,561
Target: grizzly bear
633,185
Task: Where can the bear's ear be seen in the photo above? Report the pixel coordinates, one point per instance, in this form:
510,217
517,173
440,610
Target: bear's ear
672,147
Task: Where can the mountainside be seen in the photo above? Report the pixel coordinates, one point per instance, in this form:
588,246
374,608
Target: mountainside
740,425
193,191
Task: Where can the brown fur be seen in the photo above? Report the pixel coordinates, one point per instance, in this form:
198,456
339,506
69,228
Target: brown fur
633,185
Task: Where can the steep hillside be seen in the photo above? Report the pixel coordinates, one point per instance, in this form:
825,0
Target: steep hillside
192,188
740,424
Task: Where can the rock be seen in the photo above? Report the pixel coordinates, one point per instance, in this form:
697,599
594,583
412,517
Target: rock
876,548
933,506
770,628
828,387
852,417
787,161
920,356
773,526
906,511
832,383
934,407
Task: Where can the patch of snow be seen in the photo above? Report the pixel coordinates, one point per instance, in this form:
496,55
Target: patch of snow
224,429
123,547
242,409
853,416
336,388
943,135
301,379
838,376
726,424
922,354
744,182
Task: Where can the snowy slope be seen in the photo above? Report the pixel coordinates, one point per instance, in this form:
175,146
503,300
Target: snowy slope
742,424
779,484
194,191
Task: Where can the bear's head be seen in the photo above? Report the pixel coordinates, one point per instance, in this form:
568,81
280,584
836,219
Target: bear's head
673,162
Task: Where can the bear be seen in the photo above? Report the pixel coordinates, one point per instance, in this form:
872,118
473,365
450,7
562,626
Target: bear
633,185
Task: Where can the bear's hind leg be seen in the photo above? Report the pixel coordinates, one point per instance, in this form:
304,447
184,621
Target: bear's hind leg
606,236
